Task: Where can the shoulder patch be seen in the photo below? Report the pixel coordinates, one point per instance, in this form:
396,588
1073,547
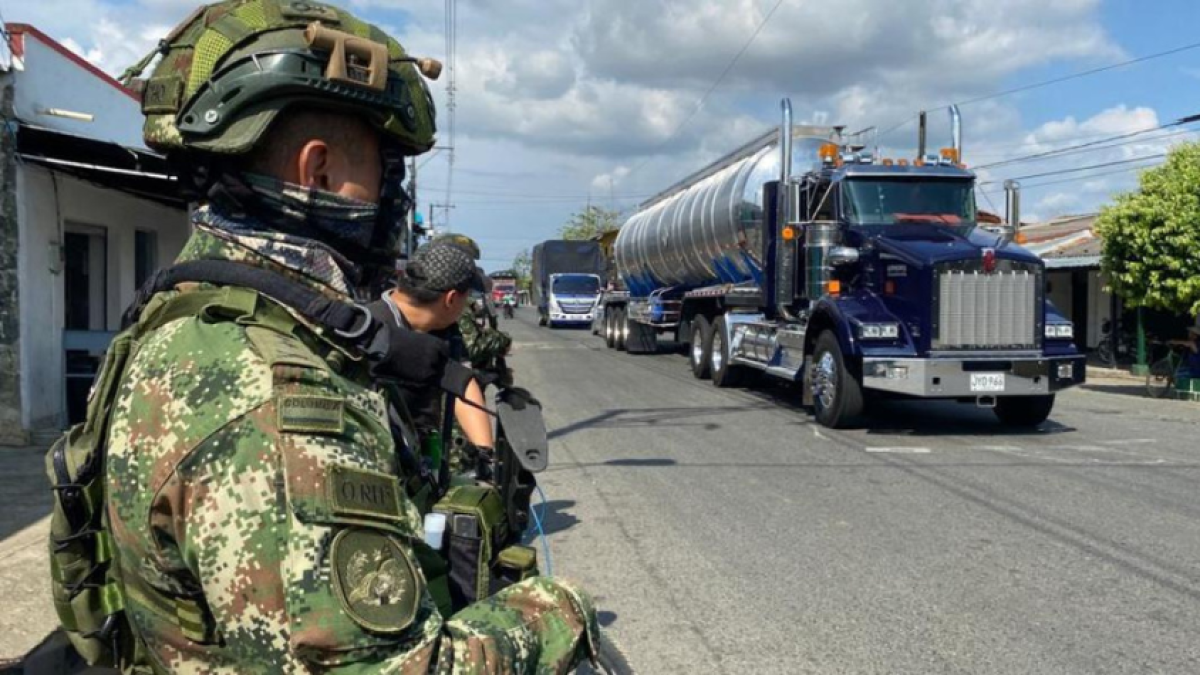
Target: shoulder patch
375,580
308,413
361,492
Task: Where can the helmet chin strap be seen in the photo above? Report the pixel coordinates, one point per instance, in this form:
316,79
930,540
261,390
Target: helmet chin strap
391,222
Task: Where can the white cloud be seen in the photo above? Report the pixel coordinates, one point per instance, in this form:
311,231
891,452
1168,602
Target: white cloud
561,98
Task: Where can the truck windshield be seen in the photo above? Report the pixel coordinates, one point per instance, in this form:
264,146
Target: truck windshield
887,202
581,285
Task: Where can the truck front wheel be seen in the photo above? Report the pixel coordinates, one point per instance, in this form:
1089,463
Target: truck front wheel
700,348
837,394
1024,411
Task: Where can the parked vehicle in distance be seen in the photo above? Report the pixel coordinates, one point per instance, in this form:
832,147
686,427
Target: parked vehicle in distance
567,281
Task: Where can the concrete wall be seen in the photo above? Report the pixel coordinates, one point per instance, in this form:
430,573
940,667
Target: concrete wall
46,78
11,429
42,219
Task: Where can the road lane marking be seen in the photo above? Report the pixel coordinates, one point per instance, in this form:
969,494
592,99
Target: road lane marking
900,451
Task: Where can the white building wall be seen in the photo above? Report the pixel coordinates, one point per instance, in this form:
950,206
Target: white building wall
1099,306
47,79
41,279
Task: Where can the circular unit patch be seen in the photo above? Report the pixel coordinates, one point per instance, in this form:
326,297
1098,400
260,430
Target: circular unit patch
375,580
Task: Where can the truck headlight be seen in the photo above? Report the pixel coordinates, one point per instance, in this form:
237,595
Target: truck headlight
879,331
1060,331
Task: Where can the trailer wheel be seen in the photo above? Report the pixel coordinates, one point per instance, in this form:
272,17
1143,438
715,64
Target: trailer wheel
621,324
1024,411
610,328
700,348
837,393
724,373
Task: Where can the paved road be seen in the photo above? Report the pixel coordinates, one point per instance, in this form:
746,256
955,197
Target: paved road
726,533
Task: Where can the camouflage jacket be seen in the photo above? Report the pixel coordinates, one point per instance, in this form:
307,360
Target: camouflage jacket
484,344
258,522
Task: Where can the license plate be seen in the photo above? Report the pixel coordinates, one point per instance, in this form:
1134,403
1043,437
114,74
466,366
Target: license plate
987,381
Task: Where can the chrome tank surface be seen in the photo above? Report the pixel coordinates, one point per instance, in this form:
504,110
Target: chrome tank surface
709,229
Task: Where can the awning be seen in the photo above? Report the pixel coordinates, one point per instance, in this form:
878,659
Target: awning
131,170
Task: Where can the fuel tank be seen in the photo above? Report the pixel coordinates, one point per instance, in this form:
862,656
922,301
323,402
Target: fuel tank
708,228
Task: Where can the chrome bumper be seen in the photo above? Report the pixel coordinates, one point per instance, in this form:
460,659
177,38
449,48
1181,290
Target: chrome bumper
951,378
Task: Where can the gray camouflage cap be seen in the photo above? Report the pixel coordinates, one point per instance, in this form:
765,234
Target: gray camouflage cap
442,267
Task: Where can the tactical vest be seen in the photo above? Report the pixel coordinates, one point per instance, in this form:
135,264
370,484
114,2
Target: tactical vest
89,596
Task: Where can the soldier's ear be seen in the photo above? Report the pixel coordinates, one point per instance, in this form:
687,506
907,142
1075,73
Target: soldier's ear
314,165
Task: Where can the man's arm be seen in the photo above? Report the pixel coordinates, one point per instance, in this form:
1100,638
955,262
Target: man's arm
476,424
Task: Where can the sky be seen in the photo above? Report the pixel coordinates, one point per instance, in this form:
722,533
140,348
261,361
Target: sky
565,103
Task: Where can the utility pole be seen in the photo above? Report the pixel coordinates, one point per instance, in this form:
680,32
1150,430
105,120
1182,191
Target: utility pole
444,207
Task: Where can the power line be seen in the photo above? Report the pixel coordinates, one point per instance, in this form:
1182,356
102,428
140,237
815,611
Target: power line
1075,179
700,103
1060,172
1052,81
1092,145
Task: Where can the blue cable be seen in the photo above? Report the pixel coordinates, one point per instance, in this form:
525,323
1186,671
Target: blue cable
537,522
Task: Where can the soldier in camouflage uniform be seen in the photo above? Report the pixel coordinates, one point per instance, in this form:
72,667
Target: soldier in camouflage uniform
486,344
253,502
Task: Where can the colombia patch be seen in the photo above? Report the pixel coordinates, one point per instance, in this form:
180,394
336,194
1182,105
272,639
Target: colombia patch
375,580
312,414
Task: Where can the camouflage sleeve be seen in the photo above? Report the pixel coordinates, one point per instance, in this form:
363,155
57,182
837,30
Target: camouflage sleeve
484,345
302,539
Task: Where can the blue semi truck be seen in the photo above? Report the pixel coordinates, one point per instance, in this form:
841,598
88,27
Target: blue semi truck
806,258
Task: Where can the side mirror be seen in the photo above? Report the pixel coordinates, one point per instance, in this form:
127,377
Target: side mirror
842,255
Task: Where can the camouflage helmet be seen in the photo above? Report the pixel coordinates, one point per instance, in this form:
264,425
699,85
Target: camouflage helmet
231,67
460,240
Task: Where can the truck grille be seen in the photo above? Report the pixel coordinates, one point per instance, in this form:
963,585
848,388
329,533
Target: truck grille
975,310
575,307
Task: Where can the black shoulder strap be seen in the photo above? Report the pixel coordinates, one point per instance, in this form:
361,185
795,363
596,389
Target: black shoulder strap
347,320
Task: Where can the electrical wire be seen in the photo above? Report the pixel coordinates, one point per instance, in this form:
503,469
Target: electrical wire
537,521
716,83
1076,169
1050,82
1074,179
1099,144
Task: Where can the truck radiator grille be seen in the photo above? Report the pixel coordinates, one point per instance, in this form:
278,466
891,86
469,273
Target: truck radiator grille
988,311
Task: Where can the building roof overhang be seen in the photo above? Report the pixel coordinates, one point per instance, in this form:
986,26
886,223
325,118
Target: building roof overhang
133,171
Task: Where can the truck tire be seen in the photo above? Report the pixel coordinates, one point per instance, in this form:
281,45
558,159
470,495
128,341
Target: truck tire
700,348
1023,411
837,393
724,373
610,328
642,339
621,325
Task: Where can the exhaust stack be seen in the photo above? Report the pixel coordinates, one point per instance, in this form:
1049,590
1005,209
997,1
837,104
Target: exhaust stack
785,144
956,132
1012,204
921,132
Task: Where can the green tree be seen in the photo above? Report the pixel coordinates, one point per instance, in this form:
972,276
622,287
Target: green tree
522,268
1152,237
590,222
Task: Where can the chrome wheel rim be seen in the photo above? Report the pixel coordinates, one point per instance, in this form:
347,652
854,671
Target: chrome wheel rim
608,327
825,380
718,351
697,349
